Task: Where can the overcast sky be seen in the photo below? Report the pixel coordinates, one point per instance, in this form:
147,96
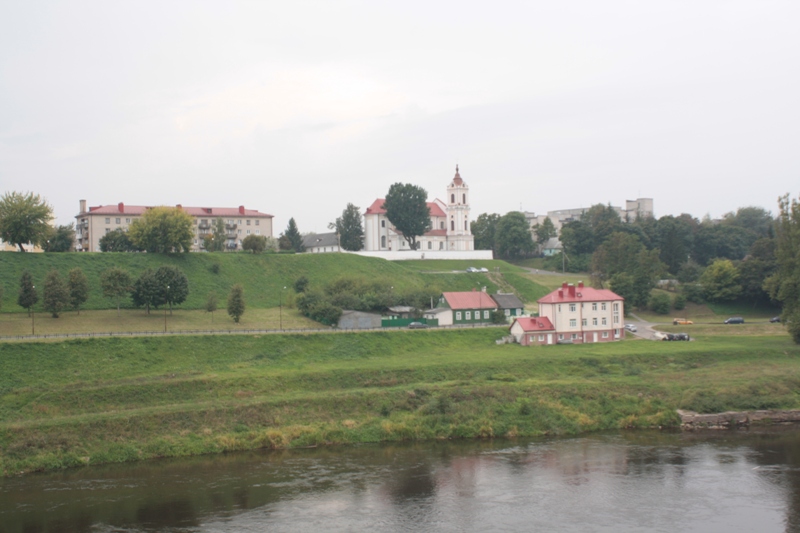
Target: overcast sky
296,108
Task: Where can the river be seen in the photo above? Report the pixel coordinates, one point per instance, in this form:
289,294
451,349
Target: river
611,482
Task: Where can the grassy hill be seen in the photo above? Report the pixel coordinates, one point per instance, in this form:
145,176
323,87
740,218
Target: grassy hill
263,276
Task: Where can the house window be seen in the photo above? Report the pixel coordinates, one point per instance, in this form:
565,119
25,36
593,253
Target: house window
584,322
571,308
605,334
559,308
604,321
239,231
594,321
594,307
616,307
573,322
560,337
248,222
541,338
383,241
195,242
603,306
240,222
383,223
118,221
508,312
467,315
486,314
248,232
128,221
257,221
574,336
616,319
458,315
108,221
258,232
108,229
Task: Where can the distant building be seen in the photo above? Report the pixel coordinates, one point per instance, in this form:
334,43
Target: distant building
509,304
634,210
468,307
449,231
94,222
319,243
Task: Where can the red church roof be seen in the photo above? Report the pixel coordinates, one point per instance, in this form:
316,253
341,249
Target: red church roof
569,293
535,324
469,300
377,208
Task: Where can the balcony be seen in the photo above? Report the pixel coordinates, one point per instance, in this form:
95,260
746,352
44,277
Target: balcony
205,225
231,235
230,226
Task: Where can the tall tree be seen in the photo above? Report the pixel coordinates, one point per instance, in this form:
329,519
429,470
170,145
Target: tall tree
117,241
78,287
674,240
27,296
615,256
24,218
163,230
215,241
544,232
513,235
350,229
116,283
254,243
720,281
236,304
211,304
293,237
174,283
784,285
407,209
147,290
60,239
484,230
55,293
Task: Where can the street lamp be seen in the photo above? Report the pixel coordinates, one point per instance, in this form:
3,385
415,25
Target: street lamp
280,307
165,309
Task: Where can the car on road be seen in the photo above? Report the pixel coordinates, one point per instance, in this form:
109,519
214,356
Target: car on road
472,269
681,322
775,319
483,269
631,327
417,325
734,320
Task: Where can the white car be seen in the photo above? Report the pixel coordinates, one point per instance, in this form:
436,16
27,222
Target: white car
631,327
472,269
483,269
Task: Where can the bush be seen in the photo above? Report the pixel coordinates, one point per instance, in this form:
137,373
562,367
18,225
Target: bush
498,317
659,303
679,302
693,292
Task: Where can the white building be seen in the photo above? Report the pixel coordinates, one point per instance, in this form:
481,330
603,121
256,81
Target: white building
449,231
634,210
583,314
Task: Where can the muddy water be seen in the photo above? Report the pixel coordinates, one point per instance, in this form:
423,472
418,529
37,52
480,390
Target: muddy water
632,481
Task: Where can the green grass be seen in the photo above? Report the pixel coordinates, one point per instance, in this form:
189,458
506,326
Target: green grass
120,399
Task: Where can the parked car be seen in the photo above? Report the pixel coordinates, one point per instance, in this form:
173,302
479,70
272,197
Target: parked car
631,327
483,269
734,320
472,269
775,319
675,337
681,322
417,325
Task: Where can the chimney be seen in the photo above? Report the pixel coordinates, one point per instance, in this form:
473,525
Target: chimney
83,206
474,289
564,285
560,293
580,284
241,210
571,289
121,207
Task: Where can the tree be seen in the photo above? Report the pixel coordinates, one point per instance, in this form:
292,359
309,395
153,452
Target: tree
674,240
117,241
211,304
27,296
720,281
513,236
407,209
659,303
784,285
254,243
484,230
215,241
116,283
349,229
55,293
78,287
60,239
614,256
544,232
147,290
174,284
293,238
300,284
163,230
717,241
236,303
24,218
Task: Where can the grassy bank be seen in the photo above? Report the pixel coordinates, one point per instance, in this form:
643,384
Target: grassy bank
108,400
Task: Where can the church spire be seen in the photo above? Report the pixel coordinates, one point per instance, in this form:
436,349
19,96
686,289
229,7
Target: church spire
457,179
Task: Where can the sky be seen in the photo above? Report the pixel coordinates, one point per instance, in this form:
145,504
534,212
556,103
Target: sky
298,108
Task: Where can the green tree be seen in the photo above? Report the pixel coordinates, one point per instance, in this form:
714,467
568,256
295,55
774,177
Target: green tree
24,218
646,272
293,238
60,239
300,284
674,240
215,241
211,304
720,281
784,284
236,304
513,236
117,241
544,232
163,230
577,238
614,256
148,291
78,287
484,230
254,243
659,303
115,283
27,296
350,229
718,241
407,209
55,295
1,296
174,283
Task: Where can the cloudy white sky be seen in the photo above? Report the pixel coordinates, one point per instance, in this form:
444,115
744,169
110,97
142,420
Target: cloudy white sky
297,107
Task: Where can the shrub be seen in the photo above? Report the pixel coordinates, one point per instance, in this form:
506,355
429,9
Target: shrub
679,302
659,303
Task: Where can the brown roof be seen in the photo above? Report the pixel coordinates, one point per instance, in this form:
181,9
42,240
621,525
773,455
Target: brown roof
534,324
138,210
469,300
571,293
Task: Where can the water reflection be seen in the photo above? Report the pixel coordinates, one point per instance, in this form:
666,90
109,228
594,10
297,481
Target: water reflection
629,481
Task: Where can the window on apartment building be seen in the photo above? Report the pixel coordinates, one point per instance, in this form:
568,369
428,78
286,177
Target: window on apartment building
248,232
257,221
605,334
108,229
258,232
458,315
616,307
127,221
118,221
571,308
584,322
604,321
603,306
108,221
559,308
594,321
560,337
229,221
248,222
594,307
573,322
616,319
574,336
240,221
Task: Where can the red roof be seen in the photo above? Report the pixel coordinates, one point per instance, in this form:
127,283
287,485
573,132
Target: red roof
469,300
535,324
211,212
580,293
377,208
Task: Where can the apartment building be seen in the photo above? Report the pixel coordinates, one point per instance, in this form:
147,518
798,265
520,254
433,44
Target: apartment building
633,210
581,314
95,221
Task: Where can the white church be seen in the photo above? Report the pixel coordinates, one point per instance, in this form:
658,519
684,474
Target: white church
449,226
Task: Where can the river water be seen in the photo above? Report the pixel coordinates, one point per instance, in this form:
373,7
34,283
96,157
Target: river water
614,482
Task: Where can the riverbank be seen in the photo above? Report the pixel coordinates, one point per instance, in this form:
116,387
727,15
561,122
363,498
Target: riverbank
96,401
